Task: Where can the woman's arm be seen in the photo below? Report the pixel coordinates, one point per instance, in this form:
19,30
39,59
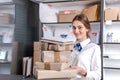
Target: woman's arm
95,68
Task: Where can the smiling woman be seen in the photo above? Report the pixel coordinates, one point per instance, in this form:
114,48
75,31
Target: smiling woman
86,58
81,27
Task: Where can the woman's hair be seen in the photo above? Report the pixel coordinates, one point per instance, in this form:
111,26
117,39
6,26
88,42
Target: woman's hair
84,20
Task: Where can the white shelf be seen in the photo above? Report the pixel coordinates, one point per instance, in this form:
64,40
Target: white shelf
4,62
74,3
111,74
10,44
111,63
111,48
83,2
48,0
112,2
4,1
7,25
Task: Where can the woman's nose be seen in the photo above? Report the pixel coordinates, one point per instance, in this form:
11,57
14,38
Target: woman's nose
76,31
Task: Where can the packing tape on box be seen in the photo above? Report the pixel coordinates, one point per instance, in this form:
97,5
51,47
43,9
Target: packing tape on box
57,56
47,66
67,47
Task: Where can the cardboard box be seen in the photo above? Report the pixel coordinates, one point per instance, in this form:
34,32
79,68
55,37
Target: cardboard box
55,45
60,47
51,74
34,71
92,12
111,14
37,56
37,46
119,15
44,46
67,15
6,18
52,66
56,42
55,56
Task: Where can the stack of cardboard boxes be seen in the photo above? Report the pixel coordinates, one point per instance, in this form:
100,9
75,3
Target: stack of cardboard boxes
55,60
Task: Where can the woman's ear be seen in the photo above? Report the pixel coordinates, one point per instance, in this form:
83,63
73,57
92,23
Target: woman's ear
87,30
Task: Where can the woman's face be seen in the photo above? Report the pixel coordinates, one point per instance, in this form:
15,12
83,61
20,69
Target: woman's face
79,30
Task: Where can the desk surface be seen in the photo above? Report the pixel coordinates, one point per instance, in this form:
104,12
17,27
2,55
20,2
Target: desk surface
20,77
14,77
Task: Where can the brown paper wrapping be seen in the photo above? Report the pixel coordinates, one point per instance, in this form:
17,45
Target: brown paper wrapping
37,52
47,74
67,15
92,13
52,66
55,56
47,66
111,13
119,15
37,56
56,42
69,12
57,46
44,46
37,46
60,47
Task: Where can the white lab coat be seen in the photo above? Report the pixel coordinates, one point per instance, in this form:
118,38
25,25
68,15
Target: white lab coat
89,59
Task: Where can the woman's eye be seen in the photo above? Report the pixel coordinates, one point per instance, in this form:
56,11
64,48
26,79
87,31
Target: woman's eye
74,27
79,27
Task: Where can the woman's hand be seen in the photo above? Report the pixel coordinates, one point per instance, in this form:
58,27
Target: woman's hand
80,70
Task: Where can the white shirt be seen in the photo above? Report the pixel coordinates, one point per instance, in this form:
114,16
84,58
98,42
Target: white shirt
89,58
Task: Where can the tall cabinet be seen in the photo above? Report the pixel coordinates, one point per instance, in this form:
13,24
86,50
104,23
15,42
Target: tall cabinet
111,40
15,35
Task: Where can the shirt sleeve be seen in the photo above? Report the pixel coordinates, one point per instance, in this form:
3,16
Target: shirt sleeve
95,68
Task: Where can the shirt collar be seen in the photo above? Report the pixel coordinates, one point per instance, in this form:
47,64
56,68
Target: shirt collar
84,43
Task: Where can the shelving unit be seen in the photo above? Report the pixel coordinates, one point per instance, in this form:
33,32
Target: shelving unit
5,28
16,35
64,5
63,27
9,65
111,44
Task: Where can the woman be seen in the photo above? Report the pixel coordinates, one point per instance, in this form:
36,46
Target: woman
86,56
